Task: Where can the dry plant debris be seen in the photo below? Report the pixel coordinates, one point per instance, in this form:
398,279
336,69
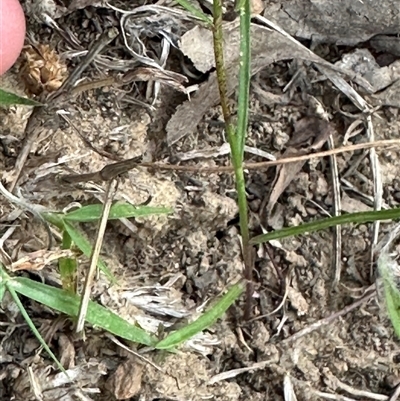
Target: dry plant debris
41,69
309,341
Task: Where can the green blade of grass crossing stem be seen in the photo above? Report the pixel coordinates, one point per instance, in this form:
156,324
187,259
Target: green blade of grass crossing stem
34,330
358,218
68,303
387,267
204,321
8,99
83,244
194,11
54,218
118,211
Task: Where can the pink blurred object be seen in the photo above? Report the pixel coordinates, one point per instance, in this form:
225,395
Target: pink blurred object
12,33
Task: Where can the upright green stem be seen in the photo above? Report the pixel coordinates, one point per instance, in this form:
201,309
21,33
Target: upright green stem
243,117
237,137
243,222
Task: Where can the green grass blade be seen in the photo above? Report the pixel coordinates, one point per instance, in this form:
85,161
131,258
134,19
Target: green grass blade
386,268
68,303
83,244
118,211
358,218
34,330
244,75
204,321
54,218
8,99
194,11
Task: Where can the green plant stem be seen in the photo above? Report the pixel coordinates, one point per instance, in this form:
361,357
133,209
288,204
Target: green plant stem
238,150
244,226
237,137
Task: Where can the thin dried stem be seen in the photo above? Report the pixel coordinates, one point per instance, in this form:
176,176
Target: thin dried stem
111,188
113,170
337,207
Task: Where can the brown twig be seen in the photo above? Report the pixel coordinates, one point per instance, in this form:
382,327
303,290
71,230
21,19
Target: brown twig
337,208
106,173
115,169
111,188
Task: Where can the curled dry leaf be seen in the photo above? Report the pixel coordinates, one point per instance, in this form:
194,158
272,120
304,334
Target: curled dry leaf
310,133
41,69
344,22
284,175
39,259
266,47
67,351
389,97
362,62
257,6
169,78
126,381
197,44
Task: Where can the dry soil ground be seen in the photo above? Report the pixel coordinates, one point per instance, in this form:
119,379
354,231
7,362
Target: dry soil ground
168,266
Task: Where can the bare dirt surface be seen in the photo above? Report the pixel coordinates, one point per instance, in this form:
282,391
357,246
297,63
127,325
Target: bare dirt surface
168,266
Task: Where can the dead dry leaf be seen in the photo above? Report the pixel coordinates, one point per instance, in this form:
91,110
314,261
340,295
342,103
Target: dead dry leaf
310,133
344,22
41,69
267,47
67,351
389,97
362,62
145,74
57,386
126,381
284,176
353,205
297,301
39,259
256,6
192,46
